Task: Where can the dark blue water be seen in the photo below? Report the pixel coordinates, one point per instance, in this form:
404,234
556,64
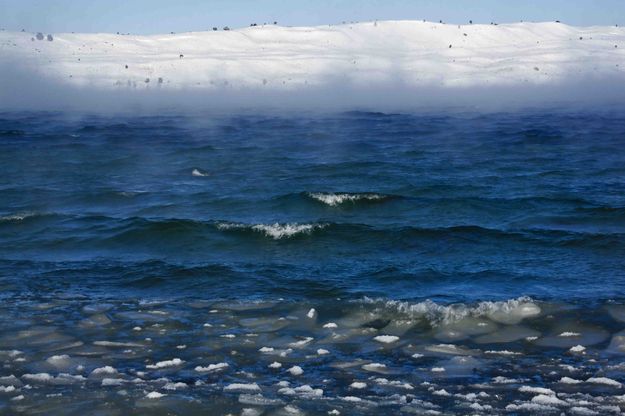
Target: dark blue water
344,213
468,207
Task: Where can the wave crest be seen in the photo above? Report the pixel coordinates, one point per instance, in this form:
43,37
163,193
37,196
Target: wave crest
276,230
335,199
510,311
17,217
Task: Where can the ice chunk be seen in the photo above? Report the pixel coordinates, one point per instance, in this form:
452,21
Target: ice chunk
240,387
212,368
165,364
386,339
296,370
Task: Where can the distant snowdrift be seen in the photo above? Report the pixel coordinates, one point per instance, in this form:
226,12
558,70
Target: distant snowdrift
376,65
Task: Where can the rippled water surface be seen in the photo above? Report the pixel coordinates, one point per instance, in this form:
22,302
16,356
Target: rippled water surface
352,263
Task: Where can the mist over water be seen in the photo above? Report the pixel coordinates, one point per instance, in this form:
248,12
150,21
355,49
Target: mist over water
27,89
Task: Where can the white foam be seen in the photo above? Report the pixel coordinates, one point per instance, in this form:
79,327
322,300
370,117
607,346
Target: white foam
17,217
275,231
199,173
333,199
508,312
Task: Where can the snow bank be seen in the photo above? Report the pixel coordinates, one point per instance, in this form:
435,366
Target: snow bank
387,56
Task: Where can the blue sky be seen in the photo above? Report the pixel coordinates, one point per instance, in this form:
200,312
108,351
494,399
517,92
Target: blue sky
161,16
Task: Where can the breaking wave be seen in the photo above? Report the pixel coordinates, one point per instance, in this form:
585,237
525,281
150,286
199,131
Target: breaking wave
335,199
275,231
510,311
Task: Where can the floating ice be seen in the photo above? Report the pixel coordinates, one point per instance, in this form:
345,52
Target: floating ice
154,395
212,367
165,364
258,400
175,386
536,390
605,381
106,382
386,339
240,387
548,400
374,367
568,380
275,365
578,348
358,385
296,370
330,325
104,371
322,351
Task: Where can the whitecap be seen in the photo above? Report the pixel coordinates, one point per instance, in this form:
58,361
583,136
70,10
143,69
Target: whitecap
199,173
335,199
276,230
508,312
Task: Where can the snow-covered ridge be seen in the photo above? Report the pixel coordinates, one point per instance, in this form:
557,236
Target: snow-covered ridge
271,57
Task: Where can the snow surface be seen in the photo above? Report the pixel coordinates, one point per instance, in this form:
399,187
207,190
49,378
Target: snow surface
363,54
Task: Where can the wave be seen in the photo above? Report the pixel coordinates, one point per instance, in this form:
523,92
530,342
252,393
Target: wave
199,173
18,216
276,230
510,311
335,199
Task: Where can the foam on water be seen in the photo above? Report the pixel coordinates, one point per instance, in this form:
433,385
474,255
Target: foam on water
276,231
508,312
335,199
